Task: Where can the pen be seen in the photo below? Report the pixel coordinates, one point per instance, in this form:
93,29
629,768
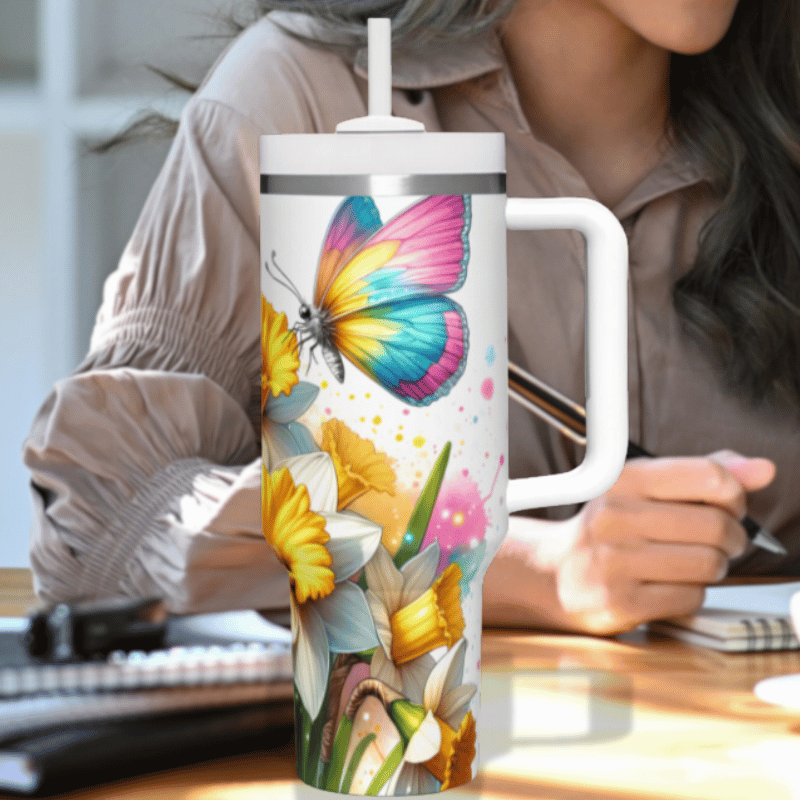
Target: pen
570,418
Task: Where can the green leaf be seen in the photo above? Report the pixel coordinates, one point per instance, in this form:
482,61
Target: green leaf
355,760
386,771
302,726
316,730
308,734
338,752
323,778
421,516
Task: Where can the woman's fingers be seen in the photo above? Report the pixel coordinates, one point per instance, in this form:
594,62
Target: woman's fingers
752,473
603,591
714,480
647,547
673,563
630,521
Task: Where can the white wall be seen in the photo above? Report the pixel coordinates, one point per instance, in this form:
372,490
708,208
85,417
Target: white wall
24,335
73,71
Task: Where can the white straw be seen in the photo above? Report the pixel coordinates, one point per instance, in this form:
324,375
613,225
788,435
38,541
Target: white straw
379,66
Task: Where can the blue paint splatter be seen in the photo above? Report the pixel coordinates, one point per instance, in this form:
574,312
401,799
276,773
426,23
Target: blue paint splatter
490,356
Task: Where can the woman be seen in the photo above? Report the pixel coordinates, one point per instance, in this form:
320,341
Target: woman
681,117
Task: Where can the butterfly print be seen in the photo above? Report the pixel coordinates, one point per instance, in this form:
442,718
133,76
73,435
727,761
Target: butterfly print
380,299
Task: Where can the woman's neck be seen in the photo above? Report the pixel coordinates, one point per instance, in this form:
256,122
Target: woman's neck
591,88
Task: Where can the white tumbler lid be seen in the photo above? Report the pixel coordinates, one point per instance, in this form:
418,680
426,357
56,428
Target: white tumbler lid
382,144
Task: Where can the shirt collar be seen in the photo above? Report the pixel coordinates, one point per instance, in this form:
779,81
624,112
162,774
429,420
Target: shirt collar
672,173
428,68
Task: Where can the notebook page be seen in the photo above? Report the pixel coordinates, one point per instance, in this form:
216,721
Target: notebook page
764,598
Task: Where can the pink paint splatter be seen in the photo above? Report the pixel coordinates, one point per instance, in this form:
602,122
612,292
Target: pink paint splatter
465,472
487,389
328,411
459,518
406,411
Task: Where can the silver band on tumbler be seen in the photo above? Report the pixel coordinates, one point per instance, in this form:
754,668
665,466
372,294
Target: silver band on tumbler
387,185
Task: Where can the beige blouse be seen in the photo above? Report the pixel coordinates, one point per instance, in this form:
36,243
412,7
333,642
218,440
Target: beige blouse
145,461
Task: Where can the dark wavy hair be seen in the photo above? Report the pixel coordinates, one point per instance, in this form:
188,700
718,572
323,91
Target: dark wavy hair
414,22
735,110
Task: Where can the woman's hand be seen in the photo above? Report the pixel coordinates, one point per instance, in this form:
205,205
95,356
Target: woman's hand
644,550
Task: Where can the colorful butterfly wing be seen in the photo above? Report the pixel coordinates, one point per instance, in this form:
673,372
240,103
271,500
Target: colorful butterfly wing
354,221
424,250
415,348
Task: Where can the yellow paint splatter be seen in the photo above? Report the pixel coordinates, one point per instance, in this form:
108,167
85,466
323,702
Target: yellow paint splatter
399,437
361,419
324,385
368,395
352,397
418,442
376,420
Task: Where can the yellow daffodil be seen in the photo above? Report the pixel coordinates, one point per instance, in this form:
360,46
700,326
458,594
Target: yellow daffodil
297,535
359,467
321,550
414,614
279,358
440,731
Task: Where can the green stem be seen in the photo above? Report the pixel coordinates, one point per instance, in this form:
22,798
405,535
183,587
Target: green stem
386,771
302,724
323,778
315,740
338,752
355,760
308,735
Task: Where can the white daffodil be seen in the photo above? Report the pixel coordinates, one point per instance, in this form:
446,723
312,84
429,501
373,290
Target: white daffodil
413,615
281,435
320,548
440,752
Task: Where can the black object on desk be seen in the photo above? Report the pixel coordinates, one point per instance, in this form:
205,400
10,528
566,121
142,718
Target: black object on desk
80,631
84,754
211,692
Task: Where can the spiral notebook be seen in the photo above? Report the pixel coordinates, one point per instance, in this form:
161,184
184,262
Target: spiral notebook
212,660
742,618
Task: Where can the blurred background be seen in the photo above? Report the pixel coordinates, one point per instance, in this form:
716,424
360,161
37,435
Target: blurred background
72,74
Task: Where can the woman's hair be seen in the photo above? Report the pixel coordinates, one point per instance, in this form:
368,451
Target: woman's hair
414,22
736,110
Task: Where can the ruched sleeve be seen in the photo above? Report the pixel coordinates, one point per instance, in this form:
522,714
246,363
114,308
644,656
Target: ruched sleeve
145,462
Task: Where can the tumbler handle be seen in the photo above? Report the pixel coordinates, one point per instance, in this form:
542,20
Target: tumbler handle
606,349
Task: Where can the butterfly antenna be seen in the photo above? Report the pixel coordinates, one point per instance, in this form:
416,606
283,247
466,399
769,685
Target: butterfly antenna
284,279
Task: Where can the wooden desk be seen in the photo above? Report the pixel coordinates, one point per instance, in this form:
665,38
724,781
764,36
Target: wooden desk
613,719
